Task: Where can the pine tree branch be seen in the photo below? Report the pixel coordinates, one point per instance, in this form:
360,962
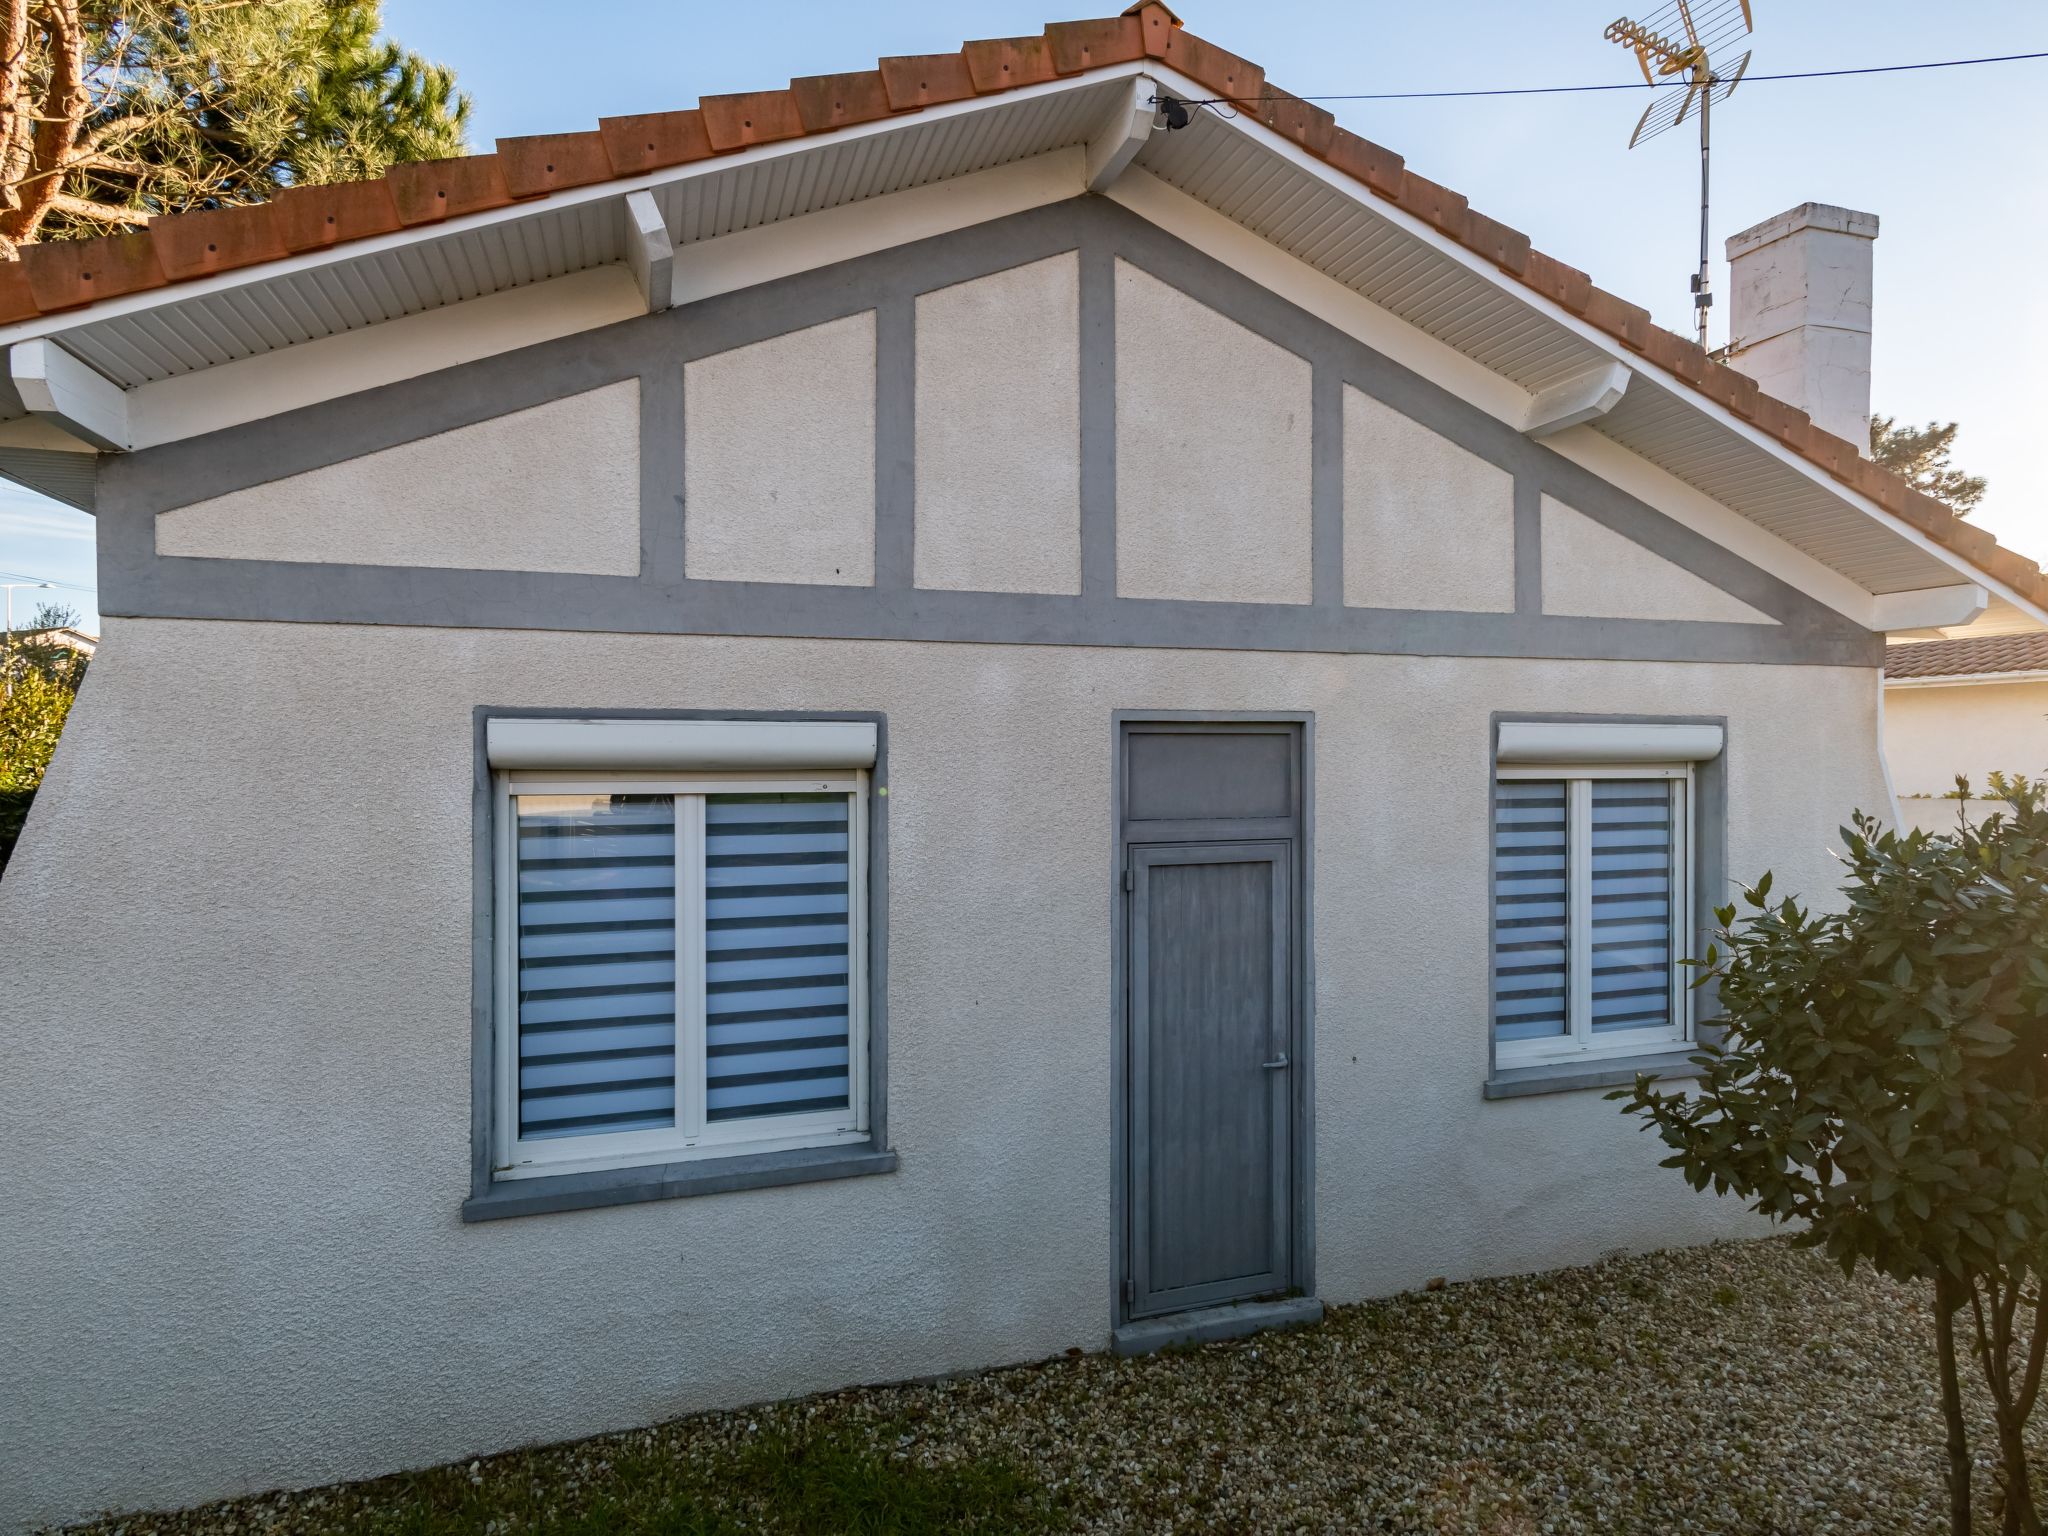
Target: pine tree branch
99,213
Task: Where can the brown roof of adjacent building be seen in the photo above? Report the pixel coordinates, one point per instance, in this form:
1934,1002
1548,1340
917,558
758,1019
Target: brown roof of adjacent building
1968,658
66,274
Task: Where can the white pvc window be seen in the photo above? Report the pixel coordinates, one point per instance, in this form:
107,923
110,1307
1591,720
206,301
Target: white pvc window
681,965
1591,909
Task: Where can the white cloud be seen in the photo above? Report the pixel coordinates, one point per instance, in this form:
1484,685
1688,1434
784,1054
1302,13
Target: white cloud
47,522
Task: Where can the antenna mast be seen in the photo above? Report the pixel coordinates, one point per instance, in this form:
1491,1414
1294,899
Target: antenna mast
1707,26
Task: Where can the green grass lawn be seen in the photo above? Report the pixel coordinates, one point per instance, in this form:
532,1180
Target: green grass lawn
775,1479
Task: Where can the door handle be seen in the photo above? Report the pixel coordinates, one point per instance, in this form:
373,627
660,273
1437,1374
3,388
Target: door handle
1276,1064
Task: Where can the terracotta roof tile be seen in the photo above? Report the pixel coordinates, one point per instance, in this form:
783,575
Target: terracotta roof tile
1967,658
1157,24
312,217
17,302
652,141
1003,63
1292,118
1379,168
1567,285
549,162
1079,45
1434,204
217,240
926,80
1218,68
750,117
64,275
825,102
429,191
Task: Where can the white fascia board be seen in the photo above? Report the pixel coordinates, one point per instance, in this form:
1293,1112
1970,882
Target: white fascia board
1596,338
1966,680
650,255
1576,400
1929,609
1126,131
62,389
603,191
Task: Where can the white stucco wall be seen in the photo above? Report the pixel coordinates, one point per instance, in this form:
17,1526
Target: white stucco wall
1931,734
233,1257
1592,571
779,458
1426,524
999,430
1212,453
552,488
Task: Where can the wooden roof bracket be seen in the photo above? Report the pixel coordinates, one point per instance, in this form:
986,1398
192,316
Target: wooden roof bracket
61,388
649,251
1116,143
1576,400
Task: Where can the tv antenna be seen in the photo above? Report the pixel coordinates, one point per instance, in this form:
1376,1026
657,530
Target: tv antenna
1695,40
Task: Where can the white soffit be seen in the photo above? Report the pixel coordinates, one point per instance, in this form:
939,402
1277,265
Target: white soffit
188,327
1657,422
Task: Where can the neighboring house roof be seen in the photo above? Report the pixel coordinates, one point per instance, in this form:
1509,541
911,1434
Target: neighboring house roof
64,636
1974,657
62,276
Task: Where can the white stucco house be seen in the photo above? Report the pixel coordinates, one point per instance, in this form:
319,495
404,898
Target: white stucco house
873,729
1971,707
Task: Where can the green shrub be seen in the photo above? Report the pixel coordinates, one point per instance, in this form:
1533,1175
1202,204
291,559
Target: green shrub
1881,1085
34,701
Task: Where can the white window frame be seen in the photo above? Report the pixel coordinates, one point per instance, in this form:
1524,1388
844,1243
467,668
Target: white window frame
692,1138
1579,1043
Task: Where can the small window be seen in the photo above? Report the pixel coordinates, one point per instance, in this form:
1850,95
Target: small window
680,966
1590,909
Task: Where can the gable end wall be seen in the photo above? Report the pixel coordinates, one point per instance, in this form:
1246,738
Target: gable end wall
847,597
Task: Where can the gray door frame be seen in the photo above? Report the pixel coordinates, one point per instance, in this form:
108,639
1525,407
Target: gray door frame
1300,1087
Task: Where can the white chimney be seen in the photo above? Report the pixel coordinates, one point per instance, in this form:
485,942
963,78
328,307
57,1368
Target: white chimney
1800,319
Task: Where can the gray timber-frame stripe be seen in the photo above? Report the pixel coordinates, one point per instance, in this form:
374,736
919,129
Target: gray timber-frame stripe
665,599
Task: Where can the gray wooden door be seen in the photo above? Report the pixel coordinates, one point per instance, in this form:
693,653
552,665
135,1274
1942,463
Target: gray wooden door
1211,992
1211,837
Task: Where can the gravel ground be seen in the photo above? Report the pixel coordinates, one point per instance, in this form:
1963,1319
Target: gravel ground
1740,1388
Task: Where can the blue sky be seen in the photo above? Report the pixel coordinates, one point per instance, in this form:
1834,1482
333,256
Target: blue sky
1955,162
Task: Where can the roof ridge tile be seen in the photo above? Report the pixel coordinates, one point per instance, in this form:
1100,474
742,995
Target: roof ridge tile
429,191
916,80
653,141
208,240
746,118
826,102
1004,63
541,163
1084,45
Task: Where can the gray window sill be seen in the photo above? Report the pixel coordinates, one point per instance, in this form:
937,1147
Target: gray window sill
1607,1072
674,1181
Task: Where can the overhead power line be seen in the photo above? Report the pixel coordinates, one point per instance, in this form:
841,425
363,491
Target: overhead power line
70,586
1624,85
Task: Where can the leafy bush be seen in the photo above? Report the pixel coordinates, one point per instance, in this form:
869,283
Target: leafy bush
37,685
1881,1084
